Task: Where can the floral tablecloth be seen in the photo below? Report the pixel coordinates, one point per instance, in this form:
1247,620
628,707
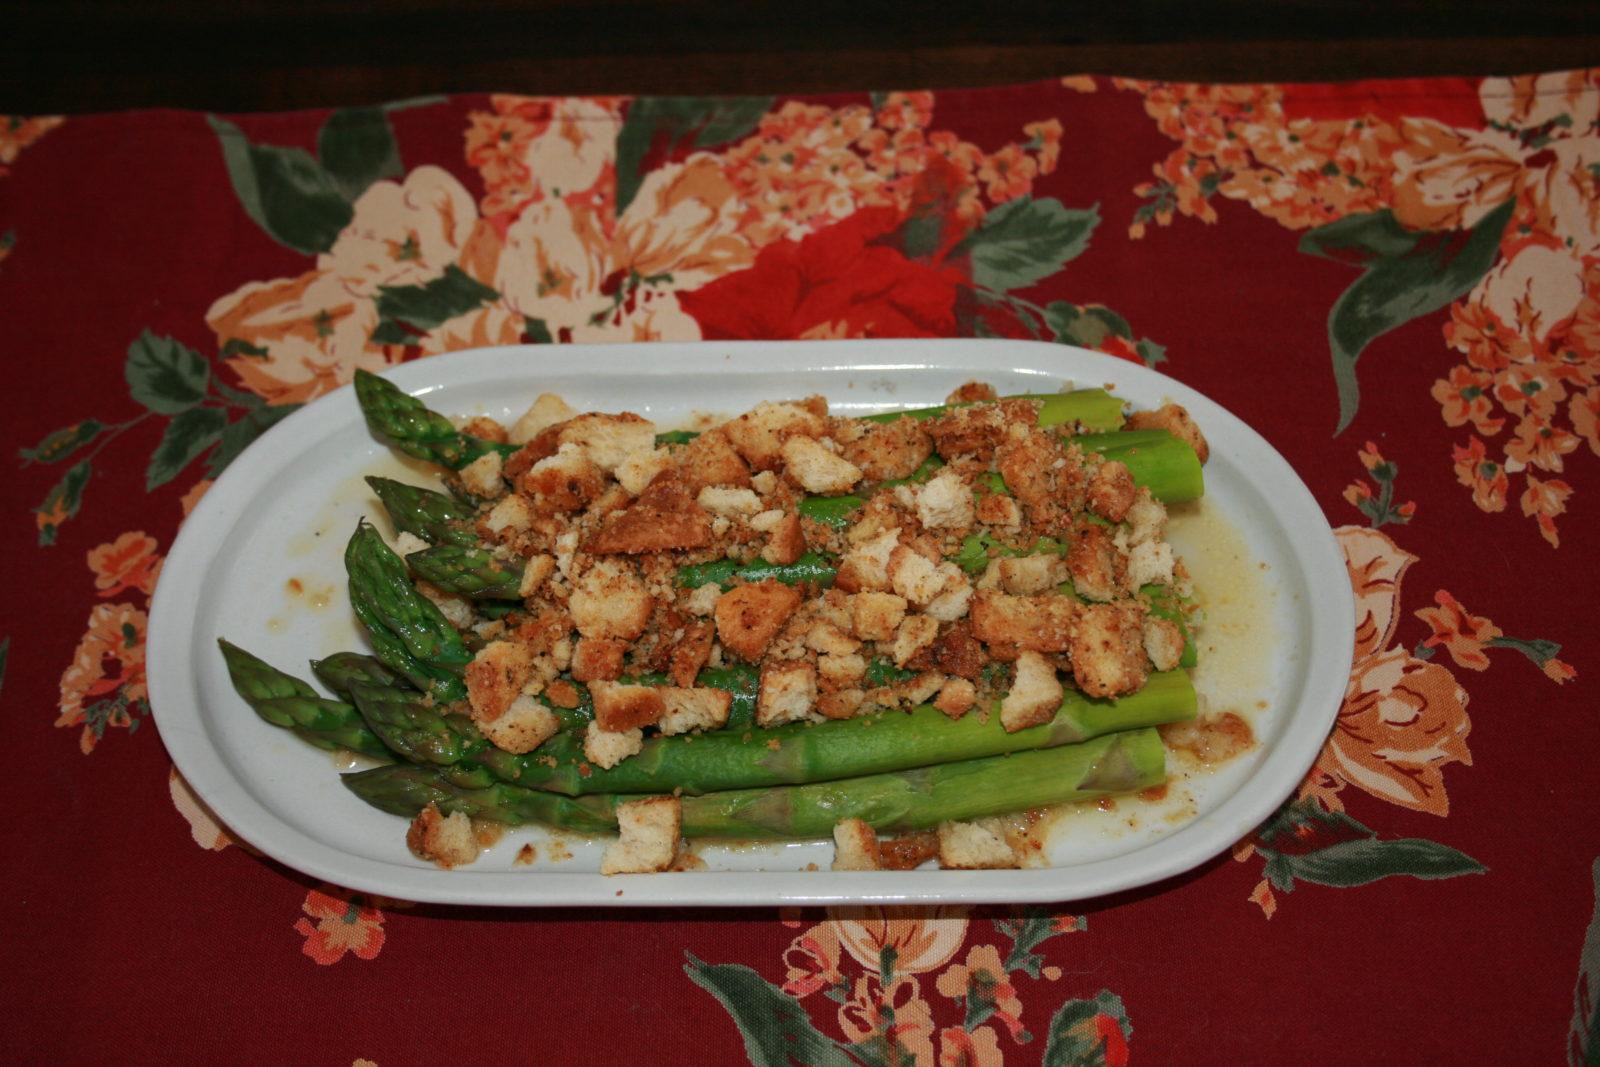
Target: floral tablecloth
1397,283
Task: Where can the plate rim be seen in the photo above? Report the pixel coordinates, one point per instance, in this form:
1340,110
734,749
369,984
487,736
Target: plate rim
1278,771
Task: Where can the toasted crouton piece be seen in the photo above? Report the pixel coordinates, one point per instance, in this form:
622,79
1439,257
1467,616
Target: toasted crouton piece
971,393
711,459
817,469
609,439
525,726
786,541
620,707
955,651
648,839
535,573
598,659
457,610
954,598
976,845
916,633
703,600
913,576
565,481
482,478
638,469
1176,420
693,709
956,697
750,616
758,435
1163,642
664,517
609,600
1150,563
512,514
496,676
1001,511
1147,519
855,846
841,670
1039,623
825,636
728,501
607,748
841,703
446,841
1108,656
1026,575
1111,490
691,652
1027,461
967,431
876,616
485,428
944,502
1035,694
866,566
889,450
547,411
788,693
1093,563
406,543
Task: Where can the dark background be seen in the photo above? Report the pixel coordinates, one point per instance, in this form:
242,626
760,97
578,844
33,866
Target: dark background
239,55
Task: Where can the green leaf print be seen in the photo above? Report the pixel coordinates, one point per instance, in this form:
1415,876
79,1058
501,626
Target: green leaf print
1082,1032
357,147
776,1029
59,444
406,312
240,434
1405,274
1025,240
5,656
1085,327
1353,863
165,376
188,434
62,501
1583,1036
288,193
704,121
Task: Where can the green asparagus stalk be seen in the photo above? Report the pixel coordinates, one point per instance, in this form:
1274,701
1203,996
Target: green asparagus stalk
409,633
470,572
869,744
284,700
810,567
1158,461
1095,410
437,518
341,669
414,429
893,803
924,797
408,788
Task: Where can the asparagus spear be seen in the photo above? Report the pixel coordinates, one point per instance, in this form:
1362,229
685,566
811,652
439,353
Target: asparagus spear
471,572
437,518
284,700
339,670
896,802
1095,410
408,788
415,430
810,567
408,633
869,744
1158,461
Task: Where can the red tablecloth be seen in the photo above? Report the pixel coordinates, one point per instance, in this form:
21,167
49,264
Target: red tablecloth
171,282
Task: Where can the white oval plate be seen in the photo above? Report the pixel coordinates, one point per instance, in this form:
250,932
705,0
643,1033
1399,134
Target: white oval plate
260,562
